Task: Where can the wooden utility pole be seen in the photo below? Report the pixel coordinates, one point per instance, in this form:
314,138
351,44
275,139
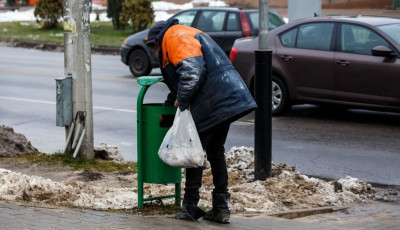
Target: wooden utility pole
78,66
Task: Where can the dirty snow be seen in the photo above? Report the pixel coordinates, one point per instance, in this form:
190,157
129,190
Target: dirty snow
286,190
17,186
13,144
108,152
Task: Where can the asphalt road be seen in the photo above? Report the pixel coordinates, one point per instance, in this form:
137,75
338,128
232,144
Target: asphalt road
322,142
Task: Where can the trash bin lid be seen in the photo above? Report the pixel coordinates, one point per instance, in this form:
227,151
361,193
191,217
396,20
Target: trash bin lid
149,80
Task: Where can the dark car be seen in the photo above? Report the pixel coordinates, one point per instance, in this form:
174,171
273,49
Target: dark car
350,61
223,24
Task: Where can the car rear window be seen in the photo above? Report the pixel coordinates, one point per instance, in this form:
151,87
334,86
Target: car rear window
288,38
316,36
211,21
233,22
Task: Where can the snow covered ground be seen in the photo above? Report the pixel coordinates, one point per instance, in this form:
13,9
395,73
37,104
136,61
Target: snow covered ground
286,190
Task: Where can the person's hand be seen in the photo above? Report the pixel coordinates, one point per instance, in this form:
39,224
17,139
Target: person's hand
176,104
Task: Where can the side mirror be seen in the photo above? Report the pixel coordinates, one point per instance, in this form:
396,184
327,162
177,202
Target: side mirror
383,51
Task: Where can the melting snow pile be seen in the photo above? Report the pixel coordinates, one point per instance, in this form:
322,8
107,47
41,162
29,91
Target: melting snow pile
285,190
17,186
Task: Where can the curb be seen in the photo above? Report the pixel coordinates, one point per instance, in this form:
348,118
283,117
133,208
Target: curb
60,48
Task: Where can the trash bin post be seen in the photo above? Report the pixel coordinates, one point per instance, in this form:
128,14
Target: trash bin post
139,146
152,125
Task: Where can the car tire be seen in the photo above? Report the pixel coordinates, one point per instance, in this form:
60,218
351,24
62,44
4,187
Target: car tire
280,97
139,63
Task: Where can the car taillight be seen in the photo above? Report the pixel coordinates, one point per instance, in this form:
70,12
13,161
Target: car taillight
125,42
233,53
246,30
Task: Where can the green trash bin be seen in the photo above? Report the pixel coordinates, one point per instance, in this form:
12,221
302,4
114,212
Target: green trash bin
153,122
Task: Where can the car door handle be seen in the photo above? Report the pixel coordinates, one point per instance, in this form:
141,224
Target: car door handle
343,62
286,57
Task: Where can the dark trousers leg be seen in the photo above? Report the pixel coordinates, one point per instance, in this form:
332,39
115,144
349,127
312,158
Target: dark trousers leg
213,141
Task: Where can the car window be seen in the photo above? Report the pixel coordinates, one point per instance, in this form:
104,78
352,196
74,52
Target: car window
233,22
211,21
288,38
359,40
316,36
254,20
273,20
186,18
392,30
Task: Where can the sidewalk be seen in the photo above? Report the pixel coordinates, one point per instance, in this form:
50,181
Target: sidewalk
374,215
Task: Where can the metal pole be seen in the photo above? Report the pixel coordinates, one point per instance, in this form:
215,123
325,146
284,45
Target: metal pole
77,62
263,97
263,117
139,110
263,22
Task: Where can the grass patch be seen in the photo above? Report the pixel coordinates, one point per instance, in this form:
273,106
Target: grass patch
59,159
103,34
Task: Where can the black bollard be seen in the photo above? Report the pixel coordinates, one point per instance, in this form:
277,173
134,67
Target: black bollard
263,115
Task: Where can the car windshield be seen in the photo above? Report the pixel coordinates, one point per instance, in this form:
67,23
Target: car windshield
392,30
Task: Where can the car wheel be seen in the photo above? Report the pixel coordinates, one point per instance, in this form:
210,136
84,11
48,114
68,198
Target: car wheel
139,63
280,97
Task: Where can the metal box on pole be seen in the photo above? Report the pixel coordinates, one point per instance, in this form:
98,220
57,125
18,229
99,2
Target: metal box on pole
64,101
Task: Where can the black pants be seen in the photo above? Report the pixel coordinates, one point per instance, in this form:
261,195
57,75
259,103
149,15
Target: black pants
213,141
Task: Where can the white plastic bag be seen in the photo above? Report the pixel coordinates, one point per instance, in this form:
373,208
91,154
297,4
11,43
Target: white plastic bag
181,146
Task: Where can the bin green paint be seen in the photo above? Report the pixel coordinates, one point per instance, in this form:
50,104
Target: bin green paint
150,133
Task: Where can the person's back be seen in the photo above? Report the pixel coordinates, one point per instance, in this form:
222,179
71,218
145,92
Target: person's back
190,55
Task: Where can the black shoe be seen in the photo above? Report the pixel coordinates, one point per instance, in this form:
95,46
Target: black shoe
221,216
220,212
190,213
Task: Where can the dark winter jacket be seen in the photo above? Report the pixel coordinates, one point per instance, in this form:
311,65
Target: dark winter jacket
200,75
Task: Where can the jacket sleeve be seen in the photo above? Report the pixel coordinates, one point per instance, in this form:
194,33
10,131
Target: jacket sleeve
191,74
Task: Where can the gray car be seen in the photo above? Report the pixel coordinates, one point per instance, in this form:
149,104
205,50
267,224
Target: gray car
223,24
347,61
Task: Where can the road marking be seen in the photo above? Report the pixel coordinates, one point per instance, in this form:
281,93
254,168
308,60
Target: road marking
27,100
40,73
240,123
112,109
53,103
